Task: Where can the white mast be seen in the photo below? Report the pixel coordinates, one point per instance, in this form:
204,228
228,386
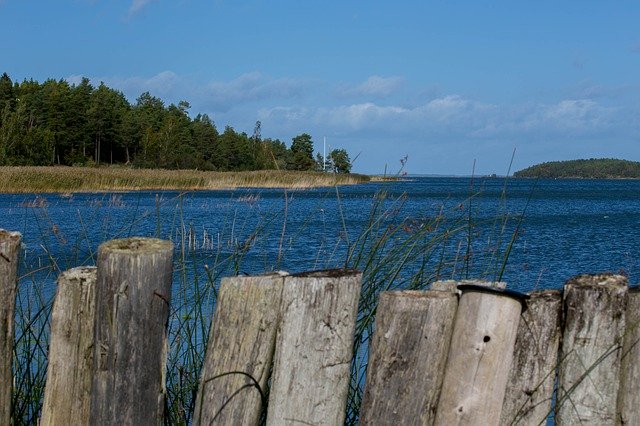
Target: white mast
324,155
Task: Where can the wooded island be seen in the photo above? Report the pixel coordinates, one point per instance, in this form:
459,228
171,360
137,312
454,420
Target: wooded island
594,168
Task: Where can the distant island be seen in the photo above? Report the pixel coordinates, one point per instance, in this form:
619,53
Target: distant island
594,168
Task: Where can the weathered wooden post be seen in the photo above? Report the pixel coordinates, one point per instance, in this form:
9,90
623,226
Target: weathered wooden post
68,390
452,285
314,348
9,249
407,357
240,351
588,377
533,370
133,292
629,392
480,356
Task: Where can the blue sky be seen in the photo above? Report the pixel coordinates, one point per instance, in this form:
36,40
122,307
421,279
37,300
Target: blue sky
444,82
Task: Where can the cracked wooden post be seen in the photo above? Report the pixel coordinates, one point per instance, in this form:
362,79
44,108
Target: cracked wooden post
533,371
588,376
9,250
133,292
314,348
407,357
629,392
68,390
242,339
480,356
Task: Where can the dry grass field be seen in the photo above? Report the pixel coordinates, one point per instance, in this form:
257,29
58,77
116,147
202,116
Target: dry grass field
84,179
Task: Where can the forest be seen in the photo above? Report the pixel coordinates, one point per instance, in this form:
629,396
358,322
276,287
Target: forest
58,123
593,168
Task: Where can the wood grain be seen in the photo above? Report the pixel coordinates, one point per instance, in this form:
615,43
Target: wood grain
242,340
133,292
314,347
68,390
588,377
407,357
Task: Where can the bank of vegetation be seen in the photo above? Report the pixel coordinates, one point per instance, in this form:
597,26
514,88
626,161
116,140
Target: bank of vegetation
58,123
30,179
594,168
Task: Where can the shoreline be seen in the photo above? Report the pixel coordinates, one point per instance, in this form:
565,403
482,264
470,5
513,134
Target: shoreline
64,179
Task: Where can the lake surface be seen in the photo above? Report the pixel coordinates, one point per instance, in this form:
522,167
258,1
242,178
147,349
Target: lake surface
562,227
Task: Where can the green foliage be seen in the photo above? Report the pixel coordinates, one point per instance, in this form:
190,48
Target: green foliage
302,153
605,168
340,161
57,123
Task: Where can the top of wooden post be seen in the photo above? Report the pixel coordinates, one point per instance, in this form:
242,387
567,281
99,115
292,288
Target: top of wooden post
480,288
598,281
11,235
327,273
418,294
137,245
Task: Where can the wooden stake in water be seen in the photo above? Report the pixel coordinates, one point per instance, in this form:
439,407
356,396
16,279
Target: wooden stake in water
314,348
133,293
588,376
68,391
480,357
629,392
407,357
9,250
533,371
240,351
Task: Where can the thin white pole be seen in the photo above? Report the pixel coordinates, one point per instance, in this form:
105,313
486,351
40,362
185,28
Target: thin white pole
324,155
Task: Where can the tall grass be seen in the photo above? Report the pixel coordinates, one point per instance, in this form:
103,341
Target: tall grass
394,249
84,179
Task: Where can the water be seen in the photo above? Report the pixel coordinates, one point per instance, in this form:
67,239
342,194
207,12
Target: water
568,227
550,229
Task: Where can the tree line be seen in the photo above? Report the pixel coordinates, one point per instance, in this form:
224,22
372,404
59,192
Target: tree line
56,122
594,168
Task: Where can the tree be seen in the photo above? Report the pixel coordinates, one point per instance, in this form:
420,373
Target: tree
105,117
7,93
302,153
205,137
340,160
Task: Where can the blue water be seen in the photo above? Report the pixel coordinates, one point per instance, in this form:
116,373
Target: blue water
564,227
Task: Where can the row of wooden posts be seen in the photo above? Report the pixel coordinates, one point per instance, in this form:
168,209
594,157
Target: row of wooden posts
466,353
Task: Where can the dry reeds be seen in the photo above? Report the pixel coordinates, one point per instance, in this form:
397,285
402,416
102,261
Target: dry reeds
84,179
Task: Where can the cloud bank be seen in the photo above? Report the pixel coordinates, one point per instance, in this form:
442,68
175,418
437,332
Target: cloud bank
587,119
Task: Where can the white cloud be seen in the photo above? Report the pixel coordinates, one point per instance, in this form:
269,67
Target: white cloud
450,117
219,96
288,106
374,87
137,6
580,114
252,87
165,84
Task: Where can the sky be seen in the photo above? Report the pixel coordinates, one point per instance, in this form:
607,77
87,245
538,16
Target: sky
455,86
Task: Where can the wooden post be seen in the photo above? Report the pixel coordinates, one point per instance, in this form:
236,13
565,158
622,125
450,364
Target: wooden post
629,393
591,349
533,371
407,357
68,390
480,356
133,293
314,348
242,340
9,249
